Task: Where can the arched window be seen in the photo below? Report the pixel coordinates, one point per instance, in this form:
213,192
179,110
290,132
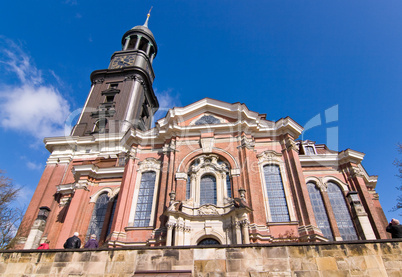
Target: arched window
208,241
100,126
320,213
145,197
98,215
208,181
208,190
341,212
276,194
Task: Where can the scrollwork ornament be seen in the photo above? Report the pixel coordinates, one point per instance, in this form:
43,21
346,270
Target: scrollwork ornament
247,143
170,225
291,144
356,172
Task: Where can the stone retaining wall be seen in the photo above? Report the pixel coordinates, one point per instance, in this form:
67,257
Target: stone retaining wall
368,258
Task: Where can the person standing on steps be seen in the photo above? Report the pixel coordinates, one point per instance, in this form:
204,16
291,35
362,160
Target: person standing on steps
92,243
395,229
73,242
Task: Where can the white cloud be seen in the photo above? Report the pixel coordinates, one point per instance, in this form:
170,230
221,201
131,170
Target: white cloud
34,166
167,100
30,105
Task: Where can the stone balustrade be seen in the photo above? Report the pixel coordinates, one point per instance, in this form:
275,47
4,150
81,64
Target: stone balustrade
360,258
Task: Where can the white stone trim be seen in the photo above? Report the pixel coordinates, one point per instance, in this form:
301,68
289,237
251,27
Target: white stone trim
111,193
208,165
343,186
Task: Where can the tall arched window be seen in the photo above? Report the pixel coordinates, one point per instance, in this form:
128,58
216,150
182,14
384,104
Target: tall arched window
320,213
98,215
208,190
341,212
145,197
276,194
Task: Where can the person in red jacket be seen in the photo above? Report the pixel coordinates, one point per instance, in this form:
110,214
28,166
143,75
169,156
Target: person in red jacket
44,245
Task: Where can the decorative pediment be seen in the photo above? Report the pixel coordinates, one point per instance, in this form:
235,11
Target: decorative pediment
209,162
149,164
269,156
219,115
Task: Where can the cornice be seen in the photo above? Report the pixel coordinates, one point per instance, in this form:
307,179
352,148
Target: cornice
93,171
319,159
350,156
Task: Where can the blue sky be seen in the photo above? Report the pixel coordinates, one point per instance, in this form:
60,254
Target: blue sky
282,58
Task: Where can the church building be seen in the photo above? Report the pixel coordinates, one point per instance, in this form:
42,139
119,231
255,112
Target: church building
208,173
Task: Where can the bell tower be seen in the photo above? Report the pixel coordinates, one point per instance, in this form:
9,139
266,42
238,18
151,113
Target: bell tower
122,97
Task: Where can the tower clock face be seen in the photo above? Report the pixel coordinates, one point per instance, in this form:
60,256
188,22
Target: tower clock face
122,61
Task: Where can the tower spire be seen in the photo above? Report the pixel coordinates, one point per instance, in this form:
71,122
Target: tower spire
148,15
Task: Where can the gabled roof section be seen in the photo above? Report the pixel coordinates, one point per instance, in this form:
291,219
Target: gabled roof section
219,115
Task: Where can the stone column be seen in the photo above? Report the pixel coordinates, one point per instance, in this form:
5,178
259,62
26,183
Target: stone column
238,232
149,48
169,227
137,44
126,43
246,236
360,217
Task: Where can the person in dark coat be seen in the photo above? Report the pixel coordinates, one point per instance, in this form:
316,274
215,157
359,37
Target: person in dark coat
73,242
92,243
44,245
395,229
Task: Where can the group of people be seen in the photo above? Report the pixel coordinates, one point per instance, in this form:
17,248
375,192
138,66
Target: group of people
74,242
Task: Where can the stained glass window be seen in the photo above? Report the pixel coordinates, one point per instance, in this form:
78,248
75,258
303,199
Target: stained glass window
320,213
188,187
98,215
228,185
341,212
276,194
145,197
208,190
112,216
